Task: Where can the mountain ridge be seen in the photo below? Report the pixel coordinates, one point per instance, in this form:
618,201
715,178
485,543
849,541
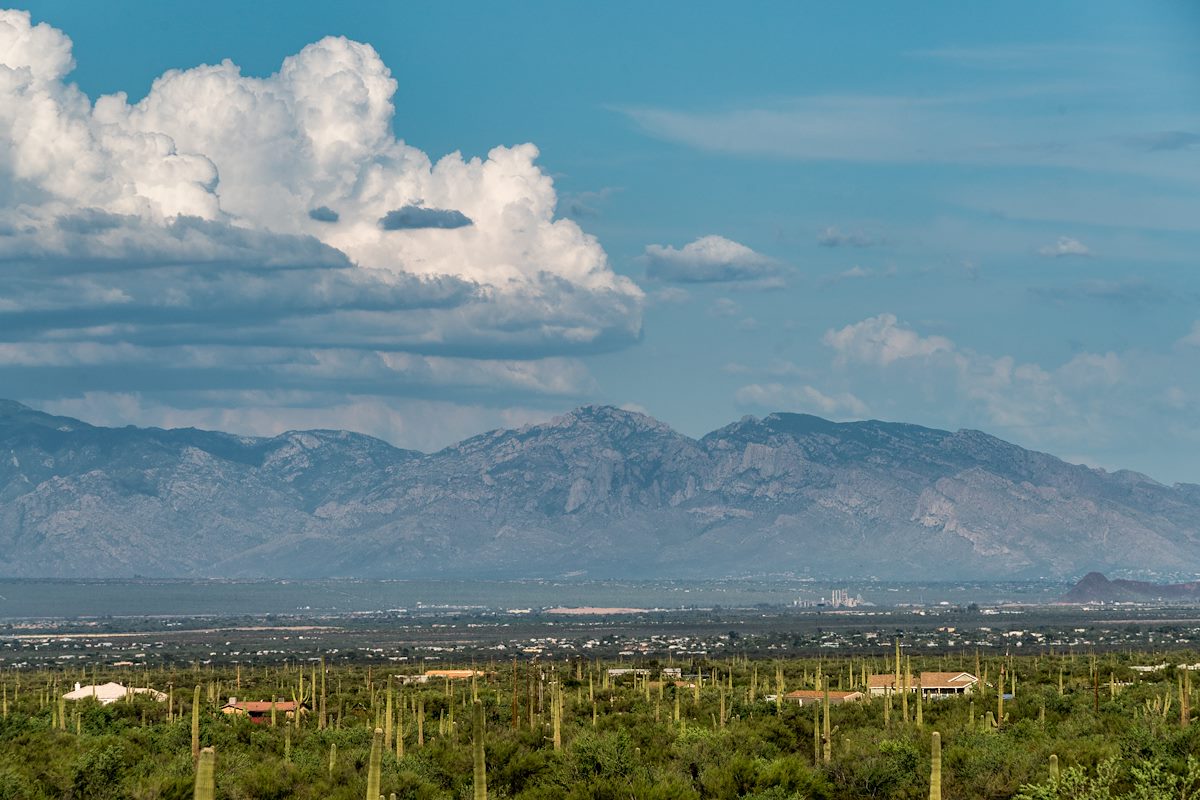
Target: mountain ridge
597,490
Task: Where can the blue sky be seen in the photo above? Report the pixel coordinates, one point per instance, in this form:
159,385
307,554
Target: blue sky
953,214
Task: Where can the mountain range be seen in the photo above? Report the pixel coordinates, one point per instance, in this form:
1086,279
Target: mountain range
599,491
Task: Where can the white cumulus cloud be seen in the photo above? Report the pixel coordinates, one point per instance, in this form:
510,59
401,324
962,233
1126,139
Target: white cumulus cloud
882,340
283,212
709,259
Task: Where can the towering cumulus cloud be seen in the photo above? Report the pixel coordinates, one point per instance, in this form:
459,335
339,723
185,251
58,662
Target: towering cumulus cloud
224,214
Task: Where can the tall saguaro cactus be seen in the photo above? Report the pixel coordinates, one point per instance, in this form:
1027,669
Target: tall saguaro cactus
516,700
196,726
1185,699
556,710
421,722
388,715
373,769
206,784
935,767
896,687
478,751
321,710
1000,698
827,749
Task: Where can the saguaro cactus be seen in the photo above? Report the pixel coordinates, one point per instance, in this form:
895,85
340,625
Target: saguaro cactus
1053,768
478,751
1000,698
827,750
206,784
935,767
322,711
400,728
896,687
332,758
556,706
420,722
1185,700
196,726
388,714
373,769
516,700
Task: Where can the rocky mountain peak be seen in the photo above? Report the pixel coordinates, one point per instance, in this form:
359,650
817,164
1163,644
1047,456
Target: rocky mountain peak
600,489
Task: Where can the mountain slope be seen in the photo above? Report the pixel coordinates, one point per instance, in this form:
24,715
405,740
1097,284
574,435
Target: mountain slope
598,490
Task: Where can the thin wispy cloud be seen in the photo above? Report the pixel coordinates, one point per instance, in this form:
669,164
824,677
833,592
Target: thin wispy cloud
835,237
1065,247
857,273
1015,126
1024,55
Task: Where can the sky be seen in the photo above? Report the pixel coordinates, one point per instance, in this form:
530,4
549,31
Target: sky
423,221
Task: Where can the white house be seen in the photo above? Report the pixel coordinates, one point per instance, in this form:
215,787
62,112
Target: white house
109,693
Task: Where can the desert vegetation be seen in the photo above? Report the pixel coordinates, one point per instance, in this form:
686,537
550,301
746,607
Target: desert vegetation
1053,725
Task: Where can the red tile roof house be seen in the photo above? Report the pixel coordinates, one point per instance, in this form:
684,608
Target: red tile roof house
807,697
259,711
933,684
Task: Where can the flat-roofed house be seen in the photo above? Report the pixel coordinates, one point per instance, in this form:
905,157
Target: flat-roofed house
453,674
439,675
259,711
620,672
109,693
807,697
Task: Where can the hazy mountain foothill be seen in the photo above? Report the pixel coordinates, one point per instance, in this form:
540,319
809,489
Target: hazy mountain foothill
599,492
1095,587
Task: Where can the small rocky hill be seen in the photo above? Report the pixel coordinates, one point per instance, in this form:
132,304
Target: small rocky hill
1096,588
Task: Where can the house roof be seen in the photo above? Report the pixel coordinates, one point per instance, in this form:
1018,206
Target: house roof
102,691
452,673
928,680
806,694
107,692
261,706
947,680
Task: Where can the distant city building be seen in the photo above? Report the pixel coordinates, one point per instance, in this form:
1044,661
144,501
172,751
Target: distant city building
838,598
